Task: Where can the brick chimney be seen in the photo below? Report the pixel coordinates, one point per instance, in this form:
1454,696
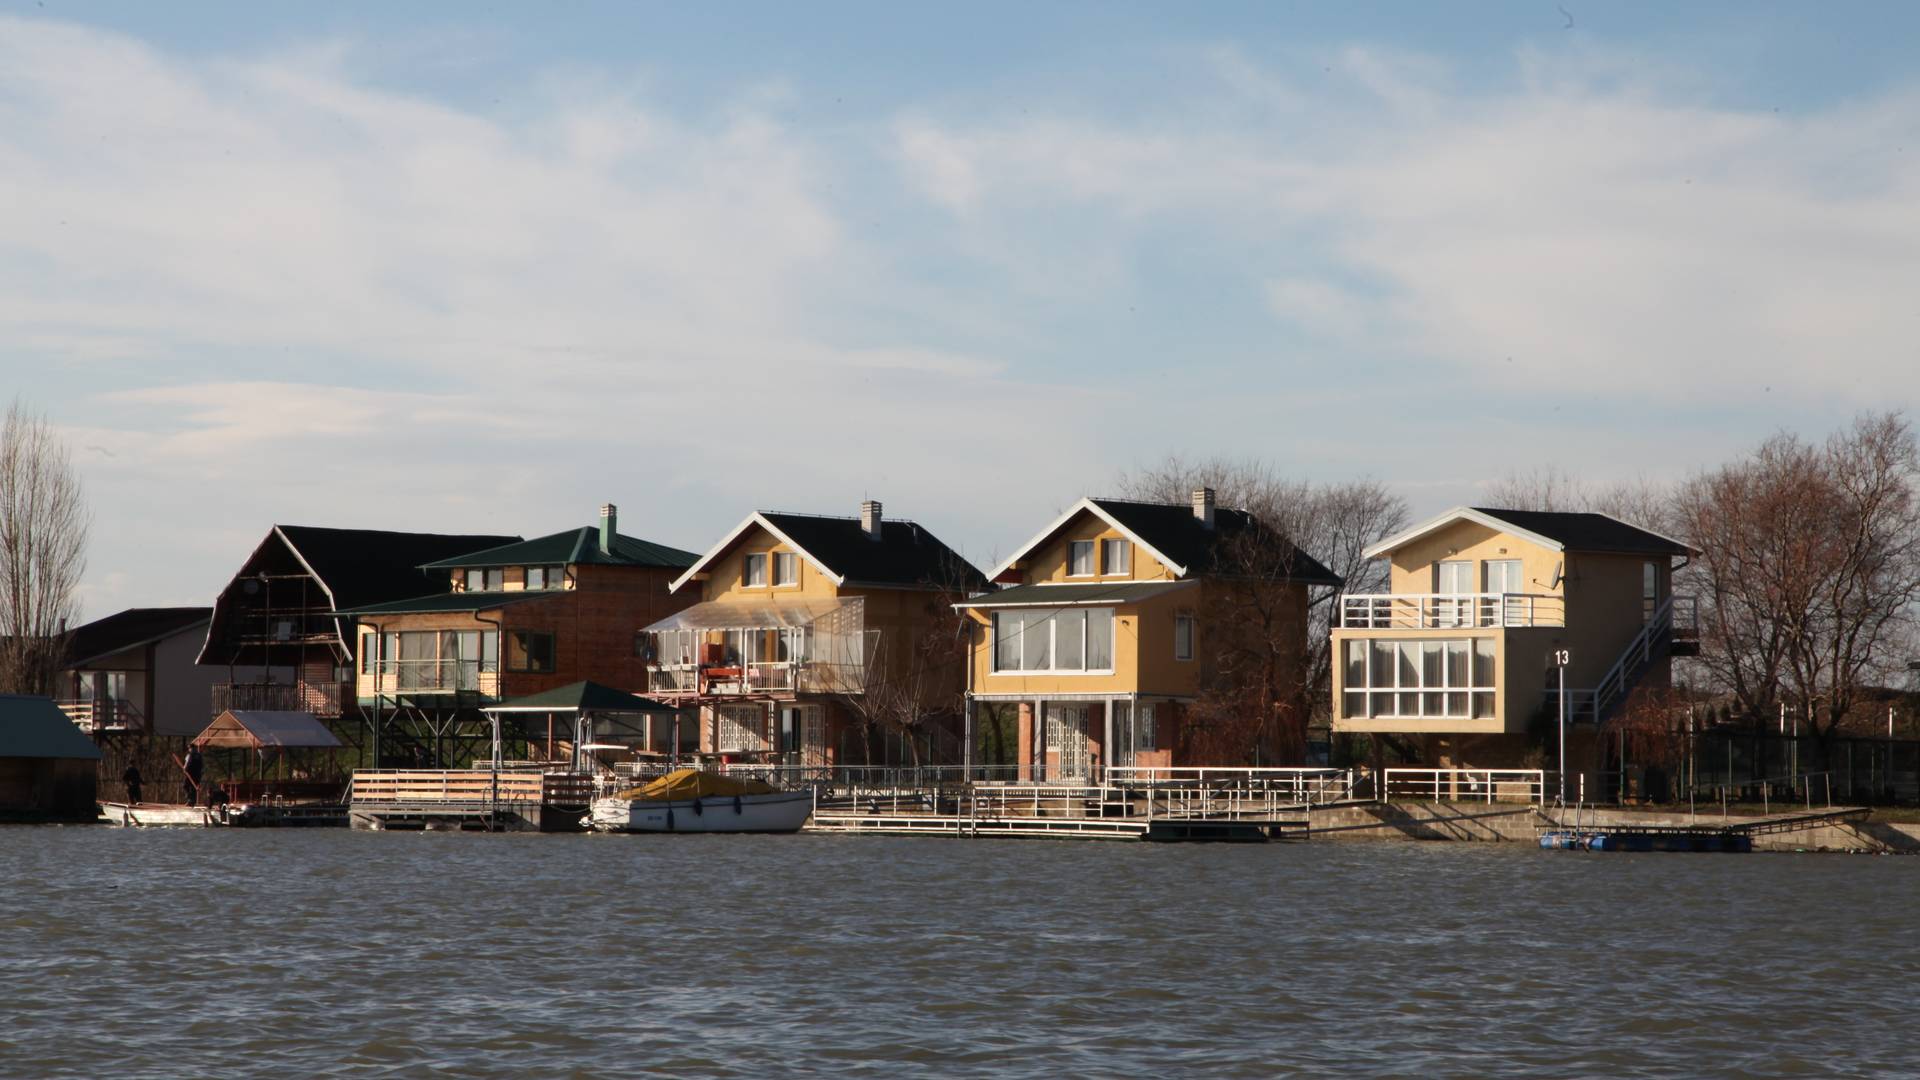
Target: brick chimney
609,526
870,518
1203,506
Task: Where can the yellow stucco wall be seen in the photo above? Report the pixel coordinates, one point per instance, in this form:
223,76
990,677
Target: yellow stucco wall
1050,562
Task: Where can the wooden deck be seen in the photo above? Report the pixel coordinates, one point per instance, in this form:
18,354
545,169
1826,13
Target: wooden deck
470,799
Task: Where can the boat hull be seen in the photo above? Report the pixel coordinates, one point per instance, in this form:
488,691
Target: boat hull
778,812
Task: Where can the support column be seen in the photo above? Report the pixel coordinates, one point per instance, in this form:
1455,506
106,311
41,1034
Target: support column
966,748
1027,740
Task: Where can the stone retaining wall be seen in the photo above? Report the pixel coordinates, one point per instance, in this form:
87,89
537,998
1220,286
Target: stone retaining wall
1511,823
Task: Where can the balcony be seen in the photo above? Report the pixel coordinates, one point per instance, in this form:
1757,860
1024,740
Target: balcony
731,678
736,649
105,714
1450,611
433,677
320,699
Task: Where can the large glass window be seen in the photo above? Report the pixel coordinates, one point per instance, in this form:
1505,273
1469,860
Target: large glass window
1080,558
1116,556
1503,576
529,651
1053,640
756,572
786,568
1446,678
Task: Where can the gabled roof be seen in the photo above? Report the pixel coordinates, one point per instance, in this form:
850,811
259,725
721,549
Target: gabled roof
1181,542
1555,530
367,566
572,548
451,602
260,729
1088,595
585,696
904,556
131,629
34,727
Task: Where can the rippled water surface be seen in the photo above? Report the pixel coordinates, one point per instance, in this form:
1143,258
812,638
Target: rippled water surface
300,953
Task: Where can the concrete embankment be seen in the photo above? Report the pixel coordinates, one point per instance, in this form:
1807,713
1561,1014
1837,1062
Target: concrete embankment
1508,823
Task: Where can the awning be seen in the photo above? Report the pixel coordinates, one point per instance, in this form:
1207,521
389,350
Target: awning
736,615
263,730
1079,595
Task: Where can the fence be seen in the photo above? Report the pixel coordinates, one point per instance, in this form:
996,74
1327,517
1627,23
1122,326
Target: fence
1471,785
469,786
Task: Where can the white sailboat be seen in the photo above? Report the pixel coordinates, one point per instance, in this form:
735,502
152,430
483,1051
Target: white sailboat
688,800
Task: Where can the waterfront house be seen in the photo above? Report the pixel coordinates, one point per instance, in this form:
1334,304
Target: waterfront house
1110,630
507,621
819,640
134,671
280,613
1460,658
47,766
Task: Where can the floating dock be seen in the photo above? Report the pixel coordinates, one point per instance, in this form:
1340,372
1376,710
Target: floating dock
1730,838
477,800
1066,812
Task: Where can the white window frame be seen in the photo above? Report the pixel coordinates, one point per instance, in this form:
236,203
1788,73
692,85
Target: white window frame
1053,643
1125,548
1185,623
755,560
783,562
1391,691
1074,547
1519,574
526,578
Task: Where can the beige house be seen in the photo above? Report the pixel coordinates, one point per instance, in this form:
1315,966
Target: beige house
1462,656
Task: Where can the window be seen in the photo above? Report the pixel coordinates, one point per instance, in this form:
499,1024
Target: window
1453,578
530,651
1080,558
476,580
786,568
434,660
1116,557
756,571
740,729
1649,590
536,577
1183,637
642,645
1070,640
1503,576
368,641
1450,678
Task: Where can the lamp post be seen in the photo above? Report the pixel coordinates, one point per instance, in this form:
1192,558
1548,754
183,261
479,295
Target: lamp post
1560,657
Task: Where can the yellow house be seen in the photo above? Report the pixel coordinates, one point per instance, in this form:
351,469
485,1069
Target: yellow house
819,641
1465,652
1103,641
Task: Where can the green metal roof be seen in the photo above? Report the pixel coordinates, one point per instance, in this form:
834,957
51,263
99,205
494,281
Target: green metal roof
1082,595
584,696
450,602
34,727
573,547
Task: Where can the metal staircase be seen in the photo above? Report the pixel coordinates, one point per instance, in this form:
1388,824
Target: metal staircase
1661,636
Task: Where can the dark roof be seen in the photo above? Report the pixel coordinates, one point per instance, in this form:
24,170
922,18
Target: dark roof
904,554
368,566
127,629
444,602
1589,532
34,727
1173,531
570,548
1114,592
585,696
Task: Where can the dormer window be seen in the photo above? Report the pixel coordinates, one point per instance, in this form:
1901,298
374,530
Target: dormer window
1080,558
486,580
1116,557
756,571
476,580
546,577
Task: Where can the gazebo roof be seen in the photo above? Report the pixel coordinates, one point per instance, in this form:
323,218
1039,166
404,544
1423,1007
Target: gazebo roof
262,730
583,697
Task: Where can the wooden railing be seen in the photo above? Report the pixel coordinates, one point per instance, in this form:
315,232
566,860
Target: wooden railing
320,699
472,786
105,714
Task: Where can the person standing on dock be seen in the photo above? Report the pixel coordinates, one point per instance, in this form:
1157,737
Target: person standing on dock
194,767
131,778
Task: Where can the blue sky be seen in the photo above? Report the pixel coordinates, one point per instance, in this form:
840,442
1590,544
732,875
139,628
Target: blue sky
482,267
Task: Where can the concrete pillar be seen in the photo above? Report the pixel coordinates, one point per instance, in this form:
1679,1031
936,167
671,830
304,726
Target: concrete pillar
1027,741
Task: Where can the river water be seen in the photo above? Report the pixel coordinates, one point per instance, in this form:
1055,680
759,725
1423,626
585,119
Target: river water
231,953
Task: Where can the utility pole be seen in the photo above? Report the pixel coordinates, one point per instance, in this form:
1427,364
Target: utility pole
1560,657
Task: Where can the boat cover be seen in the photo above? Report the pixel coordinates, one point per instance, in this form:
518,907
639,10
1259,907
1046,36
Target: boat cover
683,784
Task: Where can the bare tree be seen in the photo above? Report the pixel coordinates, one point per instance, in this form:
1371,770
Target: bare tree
1268,663
1640,501
915,674
43,544
1810,567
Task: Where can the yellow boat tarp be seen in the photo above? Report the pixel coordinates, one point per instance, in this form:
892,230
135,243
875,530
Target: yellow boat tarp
693,784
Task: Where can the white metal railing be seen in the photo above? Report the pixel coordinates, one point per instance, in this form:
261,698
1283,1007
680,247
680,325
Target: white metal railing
1466,785
1590,704
1298,784
1450,611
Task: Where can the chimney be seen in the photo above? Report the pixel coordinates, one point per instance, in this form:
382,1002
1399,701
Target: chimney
608,528
1203,506
870,518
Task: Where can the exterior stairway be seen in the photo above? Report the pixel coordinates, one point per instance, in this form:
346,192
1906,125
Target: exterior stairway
1670,631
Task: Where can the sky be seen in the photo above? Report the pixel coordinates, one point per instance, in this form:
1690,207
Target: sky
483,267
